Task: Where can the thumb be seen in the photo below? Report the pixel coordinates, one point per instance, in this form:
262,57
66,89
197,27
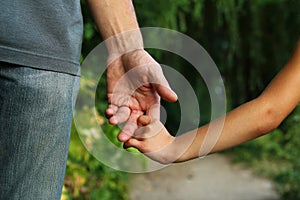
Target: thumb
165,92
160,83
144,120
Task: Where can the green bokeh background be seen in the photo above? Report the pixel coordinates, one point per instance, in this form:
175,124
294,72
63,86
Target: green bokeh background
250,41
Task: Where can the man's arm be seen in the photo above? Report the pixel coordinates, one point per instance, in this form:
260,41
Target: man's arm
113,18
128,97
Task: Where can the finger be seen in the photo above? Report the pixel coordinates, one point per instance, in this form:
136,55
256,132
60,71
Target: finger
144,120
120,116
154,111
148,131
127,145
165,91
124,136
131,143
129,128
161,85
142,133
111,110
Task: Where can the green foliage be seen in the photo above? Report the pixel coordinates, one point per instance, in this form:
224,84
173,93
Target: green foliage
87,178
249,41
91,37
168,14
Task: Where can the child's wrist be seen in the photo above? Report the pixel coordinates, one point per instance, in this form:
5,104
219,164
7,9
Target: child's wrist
181,148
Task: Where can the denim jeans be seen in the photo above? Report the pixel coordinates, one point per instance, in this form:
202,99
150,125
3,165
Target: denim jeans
36,109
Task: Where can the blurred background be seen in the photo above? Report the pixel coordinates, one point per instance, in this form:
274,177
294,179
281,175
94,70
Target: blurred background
250,41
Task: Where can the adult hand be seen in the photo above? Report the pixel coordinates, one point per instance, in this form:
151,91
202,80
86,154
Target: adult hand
135,83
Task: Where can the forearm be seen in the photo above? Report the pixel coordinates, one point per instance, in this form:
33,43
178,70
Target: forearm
251,119
240,125
113,18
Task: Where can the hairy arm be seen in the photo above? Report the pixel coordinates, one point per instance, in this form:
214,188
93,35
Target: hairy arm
113,17
129,94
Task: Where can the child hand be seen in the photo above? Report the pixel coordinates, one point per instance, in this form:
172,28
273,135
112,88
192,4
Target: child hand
152,139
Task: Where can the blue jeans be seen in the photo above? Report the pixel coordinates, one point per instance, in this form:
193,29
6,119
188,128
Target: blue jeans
36,109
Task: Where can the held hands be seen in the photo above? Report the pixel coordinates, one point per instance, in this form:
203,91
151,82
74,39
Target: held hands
135,83
152,139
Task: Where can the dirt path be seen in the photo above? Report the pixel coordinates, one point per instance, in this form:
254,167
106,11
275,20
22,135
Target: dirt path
212,178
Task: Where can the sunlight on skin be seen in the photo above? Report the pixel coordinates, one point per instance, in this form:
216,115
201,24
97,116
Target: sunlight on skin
258,117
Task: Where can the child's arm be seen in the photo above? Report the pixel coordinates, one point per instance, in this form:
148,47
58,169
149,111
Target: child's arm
249,121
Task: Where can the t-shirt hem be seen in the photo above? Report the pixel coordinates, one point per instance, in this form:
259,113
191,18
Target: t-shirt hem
39,62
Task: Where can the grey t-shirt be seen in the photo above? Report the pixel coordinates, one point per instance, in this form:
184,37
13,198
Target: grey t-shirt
43,34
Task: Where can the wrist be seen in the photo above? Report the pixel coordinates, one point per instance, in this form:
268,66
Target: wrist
183,147
124,43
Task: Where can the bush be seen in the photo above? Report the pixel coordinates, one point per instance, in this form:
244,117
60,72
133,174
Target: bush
87,178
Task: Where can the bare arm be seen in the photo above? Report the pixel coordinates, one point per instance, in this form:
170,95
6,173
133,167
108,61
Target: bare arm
249,121
114,17
128,100
266,112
